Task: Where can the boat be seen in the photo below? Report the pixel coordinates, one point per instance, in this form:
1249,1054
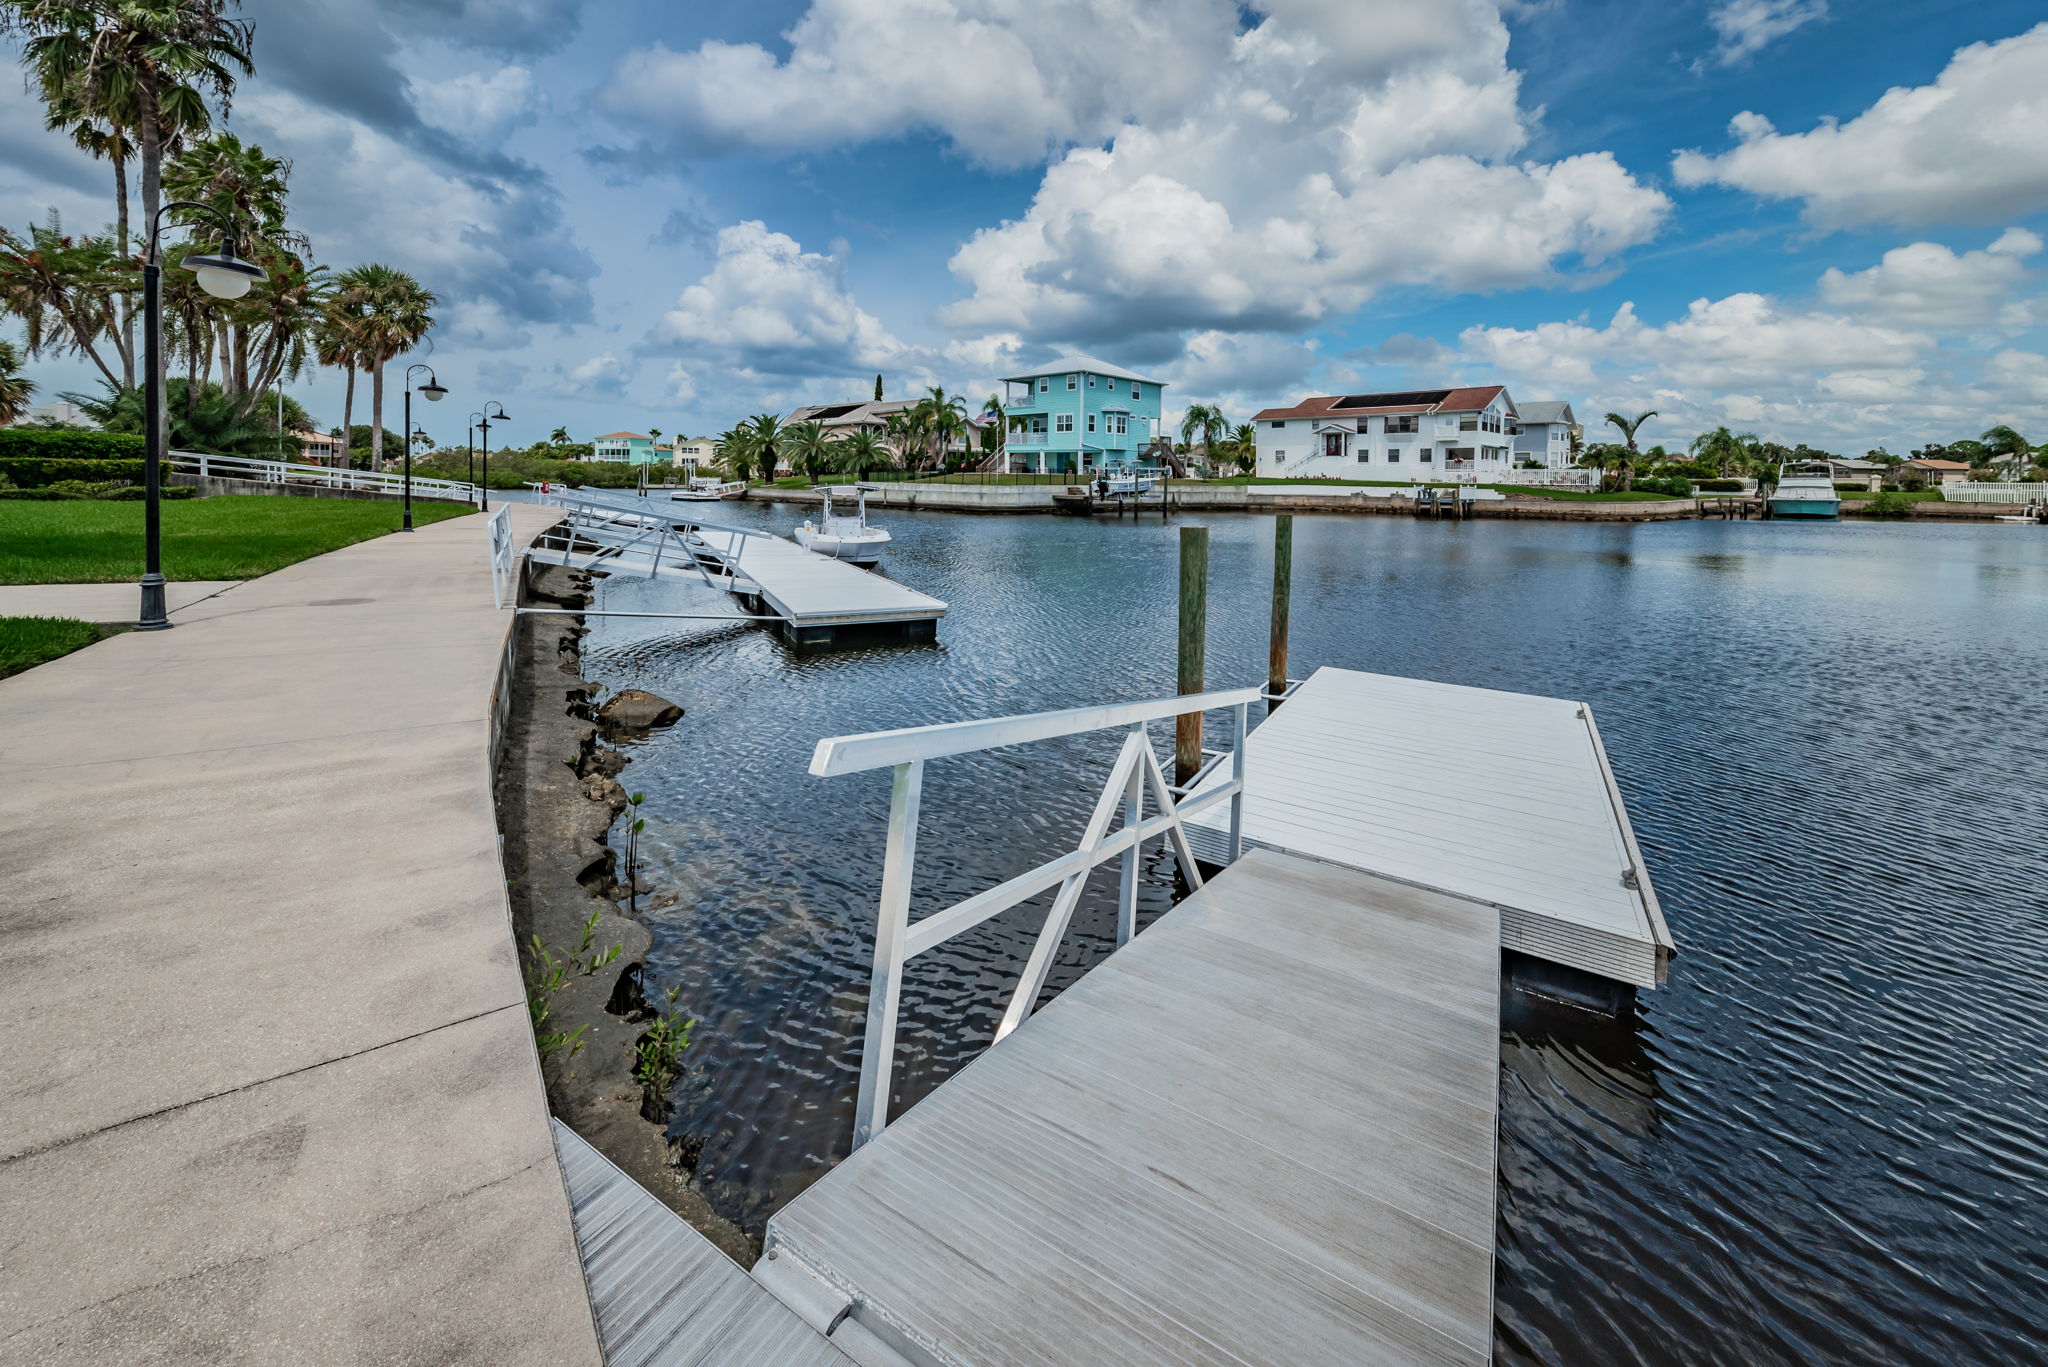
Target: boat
704,490
1123,479
1808,491
843,536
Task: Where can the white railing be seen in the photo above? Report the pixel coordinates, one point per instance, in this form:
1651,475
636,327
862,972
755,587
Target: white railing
1136,771
1995,493
332,477
504,556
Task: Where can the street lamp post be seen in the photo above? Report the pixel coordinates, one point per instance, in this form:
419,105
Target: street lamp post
224,275
484,421
435,393
470,447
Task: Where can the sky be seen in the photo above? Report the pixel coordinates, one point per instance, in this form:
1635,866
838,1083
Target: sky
1820,221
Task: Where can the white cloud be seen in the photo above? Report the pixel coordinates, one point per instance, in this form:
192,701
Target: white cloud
480,107
1240,368
1972,147
1746,27
1925,284
770,317
1343,149
1004,80
1862,363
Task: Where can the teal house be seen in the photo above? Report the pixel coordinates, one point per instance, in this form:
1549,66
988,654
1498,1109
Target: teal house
1079,414
636,447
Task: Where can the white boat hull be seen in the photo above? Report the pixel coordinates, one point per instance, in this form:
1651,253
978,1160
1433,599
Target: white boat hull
861,548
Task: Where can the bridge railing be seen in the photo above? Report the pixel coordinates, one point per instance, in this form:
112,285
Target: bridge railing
1136,772
332,477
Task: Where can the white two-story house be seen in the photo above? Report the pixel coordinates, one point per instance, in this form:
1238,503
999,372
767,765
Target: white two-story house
1415,436
1545,433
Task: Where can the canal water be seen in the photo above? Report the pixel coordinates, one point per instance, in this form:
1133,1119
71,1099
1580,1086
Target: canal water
1823,1143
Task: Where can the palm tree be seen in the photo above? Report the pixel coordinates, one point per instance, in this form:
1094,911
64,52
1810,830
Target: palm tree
559,437
1244,448
1629,427
389,315
1720,448
16,389
766,447
1206,422
944,421
102,131
2005,446
810,452
335,345
862,451
148,66
995,436
62,288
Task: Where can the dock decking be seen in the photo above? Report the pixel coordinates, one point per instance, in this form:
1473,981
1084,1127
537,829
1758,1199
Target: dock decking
1260,1133
814,598
1503,798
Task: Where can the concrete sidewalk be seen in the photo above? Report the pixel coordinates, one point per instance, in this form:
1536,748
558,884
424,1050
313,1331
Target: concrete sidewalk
101,602
268,1093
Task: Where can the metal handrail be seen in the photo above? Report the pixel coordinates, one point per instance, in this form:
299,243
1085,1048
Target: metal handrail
294,472
1136,770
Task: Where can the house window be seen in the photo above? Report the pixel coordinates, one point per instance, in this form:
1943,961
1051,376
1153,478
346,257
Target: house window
1278,424
1428,455
1091,422
1044,385
1091,382
1401,424
1073,381
1364,456
1137,391
1393,455
1064,423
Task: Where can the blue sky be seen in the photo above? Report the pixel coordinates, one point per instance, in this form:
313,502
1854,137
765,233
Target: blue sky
1815,219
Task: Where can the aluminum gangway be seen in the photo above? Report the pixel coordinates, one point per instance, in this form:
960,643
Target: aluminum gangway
815,599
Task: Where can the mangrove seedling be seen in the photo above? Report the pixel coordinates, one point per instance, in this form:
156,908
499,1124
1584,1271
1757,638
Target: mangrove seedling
658,1057
633,852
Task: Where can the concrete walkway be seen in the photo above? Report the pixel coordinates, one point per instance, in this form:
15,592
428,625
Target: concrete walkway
100,602
268,1094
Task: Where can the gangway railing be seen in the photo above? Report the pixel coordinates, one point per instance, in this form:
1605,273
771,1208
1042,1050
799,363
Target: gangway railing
332,477
1136,771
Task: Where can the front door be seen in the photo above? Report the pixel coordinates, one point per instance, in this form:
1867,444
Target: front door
1333,445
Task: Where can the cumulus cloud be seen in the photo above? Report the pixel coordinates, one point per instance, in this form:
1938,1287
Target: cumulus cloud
1344,148
495,249
1860,363
1004,80
768,314
1237,366
1746,27
480,106
1925,284
1972,147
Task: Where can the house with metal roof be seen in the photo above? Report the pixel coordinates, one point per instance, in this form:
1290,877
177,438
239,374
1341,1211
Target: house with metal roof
1079,414
1544,432
1414,435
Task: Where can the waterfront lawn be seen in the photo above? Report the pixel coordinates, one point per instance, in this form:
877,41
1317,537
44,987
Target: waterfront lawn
26,642
1527,490
236,536
1920,496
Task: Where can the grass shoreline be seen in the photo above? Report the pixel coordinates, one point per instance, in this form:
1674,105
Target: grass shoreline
26,642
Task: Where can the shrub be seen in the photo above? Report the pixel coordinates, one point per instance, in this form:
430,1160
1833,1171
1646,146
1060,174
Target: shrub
1718,486
1677,486
45,443
1890,503
1851,486
72,490
34,472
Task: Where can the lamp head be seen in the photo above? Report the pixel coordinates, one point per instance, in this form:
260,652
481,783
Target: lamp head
223,274
434,390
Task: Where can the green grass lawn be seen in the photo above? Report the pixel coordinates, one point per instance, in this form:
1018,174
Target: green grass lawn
26,642
237,536
1566,495
1923,496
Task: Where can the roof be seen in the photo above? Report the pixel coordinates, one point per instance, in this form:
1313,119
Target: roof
623,436
1469,400
851,414
1544,410
1929,463
1088,365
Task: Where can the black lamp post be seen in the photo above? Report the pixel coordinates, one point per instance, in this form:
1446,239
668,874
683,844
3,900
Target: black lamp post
224,275
484,421
435,393
470,446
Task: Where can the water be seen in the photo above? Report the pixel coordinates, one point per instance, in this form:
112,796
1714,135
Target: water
1823,1143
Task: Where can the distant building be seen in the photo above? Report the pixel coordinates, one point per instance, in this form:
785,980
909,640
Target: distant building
634,447
56,411
1939,471
316,448
844,419
1079,414
1414,435
1543,432
1868,473
688,453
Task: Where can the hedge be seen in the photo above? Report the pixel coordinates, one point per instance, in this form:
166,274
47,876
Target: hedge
1718,486
33,472
67,491
57,443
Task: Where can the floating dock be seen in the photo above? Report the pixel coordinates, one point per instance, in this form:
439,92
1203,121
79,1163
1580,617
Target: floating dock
1502,798
813,599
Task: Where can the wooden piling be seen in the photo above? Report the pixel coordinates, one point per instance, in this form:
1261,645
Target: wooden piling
1283,583
1194,621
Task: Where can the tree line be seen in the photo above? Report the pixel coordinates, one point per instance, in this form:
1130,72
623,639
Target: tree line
142,86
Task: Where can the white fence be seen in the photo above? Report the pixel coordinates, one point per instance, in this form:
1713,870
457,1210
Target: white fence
1995,493
292,472
1135,773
